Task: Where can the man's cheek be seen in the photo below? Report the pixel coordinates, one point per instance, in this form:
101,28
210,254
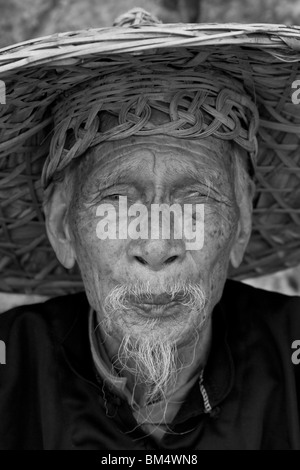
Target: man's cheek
111,254
82,225
217,234
222,224
216,252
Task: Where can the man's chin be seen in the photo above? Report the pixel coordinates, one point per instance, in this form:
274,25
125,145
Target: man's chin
175,325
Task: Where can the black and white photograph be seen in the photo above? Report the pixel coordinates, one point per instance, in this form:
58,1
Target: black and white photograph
149,227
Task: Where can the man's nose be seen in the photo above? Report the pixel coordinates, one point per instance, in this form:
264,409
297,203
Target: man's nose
156,254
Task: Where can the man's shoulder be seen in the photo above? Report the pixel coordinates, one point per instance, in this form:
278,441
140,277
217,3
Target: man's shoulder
56,314
255,306
257,298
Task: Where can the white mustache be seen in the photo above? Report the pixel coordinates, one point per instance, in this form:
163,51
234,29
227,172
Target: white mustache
186,294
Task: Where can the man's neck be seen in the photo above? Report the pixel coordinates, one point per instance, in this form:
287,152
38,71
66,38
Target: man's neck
191,359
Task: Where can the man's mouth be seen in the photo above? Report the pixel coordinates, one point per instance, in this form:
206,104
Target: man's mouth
156,310
156,305
156,299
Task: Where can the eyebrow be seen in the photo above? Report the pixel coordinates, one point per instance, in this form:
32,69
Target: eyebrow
120,176
194,176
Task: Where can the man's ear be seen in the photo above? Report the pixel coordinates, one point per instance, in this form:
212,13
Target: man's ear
244,202
58,228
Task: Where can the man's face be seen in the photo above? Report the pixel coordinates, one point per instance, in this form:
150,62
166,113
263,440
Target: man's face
158,287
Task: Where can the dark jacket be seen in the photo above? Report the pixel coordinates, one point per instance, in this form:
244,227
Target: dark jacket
50,397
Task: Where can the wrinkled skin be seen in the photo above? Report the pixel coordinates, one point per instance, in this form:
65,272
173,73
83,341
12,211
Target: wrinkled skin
153,170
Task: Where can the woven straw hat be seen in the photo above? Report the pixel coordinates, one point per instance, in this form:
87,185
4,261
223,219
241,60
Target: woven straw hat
264,58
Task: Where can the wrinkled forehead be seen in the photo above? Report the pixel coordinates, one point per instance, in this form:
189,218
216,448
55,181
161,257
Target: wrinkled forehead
167,160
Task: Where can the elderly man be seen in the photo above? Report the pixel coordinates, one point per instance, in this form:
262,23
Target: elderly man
161,351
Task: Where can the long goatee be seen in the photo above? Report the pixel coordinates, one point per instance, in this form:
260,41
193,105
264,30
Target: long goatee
147,351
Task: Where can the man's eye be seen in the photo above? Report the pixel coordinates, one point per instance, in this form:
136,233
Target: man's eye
112,197
196,194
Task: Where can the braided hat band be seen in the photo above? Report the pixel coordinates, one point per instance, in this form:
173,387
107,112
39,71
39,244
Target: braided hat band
197,104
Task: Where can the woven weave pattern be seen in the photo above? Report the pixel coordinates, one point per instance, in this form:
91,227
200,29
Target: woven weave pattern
197,104
265,58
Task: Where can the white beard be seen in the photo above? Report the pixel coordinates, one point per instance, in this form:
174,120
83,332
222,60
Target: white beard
149,350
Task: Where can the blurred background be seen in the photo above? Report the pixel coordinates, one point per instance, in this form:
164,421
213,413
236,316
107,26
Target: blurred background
26,19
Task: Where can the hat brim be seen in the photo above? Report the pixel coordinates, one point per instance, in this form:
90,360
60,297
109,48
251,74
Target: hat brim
266,58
